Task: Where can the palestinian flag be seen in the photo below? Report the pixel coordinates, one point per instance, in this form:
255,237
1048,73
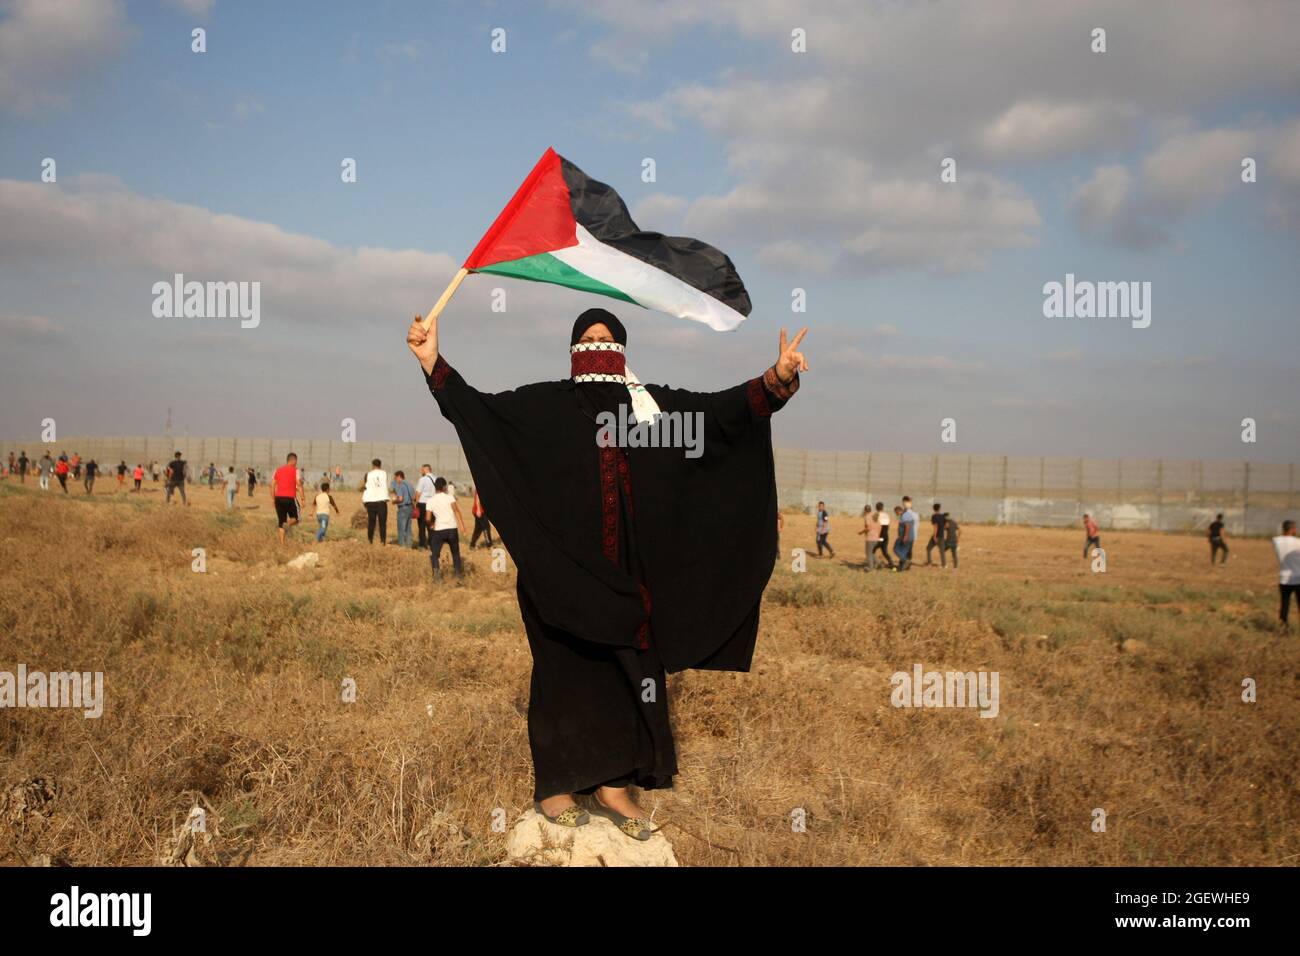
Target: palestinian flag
565,228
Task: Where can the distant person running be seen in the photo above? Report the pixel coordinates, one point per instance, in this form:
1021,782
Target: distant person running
46,468
212,476
121,473
936,535
92,469
404,496
424,492
137,476
883,545
1216,540
324,502
1287,548
951,536
823,529
286,489
252,481
1093,532
23,462
481,523
374,496
232,487
75,464
13,464
444,516
61,472
153,470
176,479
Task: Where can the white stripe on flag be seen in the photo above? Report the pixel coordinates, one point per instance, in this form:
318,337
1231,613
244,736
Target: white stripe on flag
647,285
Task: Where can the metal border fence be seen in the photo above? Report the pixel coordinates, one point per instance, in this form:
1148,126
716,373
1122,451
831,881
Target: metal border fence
1144,493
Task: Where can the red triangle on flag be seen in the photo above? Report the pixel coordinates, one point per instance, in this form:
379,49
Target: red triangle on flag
537,219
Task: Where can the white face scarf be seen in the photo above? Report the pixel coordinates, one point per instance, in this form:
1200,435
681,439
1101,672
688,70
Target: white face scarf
644,407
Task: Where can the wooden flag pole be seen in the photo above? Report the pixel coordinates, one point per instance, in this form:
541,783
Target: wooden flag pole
447,293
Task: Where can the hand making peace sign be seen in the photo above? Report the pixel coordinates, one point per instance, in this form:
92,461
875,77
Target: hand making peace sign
791,361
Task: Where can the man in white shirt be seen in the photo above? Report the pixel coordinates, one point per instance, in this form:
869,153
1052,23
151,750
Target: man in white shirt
445,518
232,488
882,545
1287,548
424,491
375,498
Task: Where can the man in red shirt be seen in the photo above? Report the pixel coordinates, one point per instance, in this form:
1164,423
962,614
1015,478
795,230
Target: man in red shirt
61,472
286,492
1091,529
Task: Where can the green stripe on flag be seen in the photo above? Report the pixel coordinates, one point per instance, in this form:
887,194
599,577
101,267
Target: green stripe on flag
546,268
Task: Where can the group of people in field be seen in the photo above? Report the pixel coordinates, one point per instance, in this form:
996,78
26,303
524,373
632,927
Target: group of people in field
430,503
945,535
72,467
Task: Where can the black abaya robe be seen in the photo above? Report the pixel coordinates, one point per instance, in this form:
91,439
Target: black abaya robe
632,562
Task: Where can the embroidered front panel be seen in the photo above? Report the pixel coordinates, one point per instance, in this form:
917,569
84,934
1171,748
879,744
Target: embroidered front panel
609,503
642,632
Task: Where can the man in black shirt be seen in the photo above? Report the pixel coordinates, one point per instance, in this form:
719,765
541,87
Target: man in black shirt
948,543
92,469
1216,540
936,534
23,462
176,479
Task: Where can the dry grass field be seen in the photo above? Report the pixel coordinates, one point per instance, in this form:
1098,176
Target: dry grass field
223,689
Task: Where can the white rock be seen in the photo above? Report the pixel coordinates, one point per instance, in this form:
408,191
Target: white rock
535,841
308,560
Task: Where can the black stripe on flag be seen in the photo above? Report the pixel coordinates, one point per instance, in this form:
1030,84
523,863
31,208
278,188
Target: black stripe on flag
602,212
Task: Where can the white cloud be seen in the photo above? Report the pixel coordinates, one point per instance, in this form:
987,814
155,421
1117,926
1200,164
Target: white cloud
96,224
1040,128
789,255
48,46
195,8
1187,172
659,212
37,328
842,144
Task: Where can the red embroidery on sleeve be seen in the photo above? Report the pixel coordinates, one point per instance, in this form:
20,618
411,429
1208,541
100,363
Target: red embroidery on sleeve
440,372
779,389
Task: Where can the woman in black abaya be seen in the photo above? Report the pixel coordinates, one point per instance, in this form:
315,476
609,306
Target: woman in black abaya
614,588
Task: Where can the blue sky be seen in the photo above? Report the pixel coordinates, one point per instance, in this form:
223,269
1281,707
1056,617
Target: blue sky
816,170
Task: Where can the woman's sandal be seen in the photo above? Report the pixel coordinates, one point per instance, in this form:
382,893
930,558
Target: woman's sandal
638,828
573,816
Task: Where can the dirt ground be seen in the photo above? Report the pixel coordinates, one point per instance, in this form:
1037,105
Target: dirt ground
1120,692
